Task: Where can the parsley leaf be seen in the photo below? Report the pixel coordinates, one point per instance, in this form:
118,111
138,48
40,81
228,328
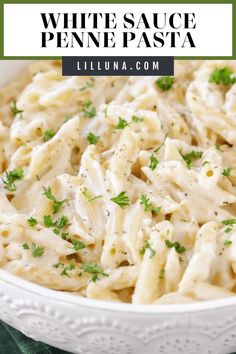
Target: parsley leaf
222,76
148,205
121,199
136,119
92,139
47,219
14,109
32,221
56,231
58,224
176,245
227,171
205,163
93,269
64,235
122,124
48,193
25,246
153,162
227,243
57,265
145,247
68,268
218,146
11,177
37,251
191,157
48,134
88,110
229,222
57,204
228,229
165,83
62,222
78,245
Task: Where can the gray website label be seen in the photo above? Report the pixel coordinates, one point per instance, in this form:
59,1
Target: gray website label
120,66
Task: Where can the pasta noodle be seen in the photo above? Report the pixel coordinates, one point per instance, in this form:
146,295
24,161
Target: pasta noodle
121,188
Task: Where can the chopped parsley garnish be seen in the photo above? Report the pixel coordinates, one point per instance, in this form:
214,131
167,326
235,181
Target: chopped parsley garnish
149,247
222,76
191,157
78,245
227,171
229,222
153,162
64,235
228,229
62,222
32,221
14,109
148,205
122,124
163,143
47,220
165,83
68,268
227,243
205,163
56,231
218,146
37,251
89,197
57,204
136,119
92,139
121,199
93,269
25,246
48,134
176,245
57,265
88,110
11,177
162,273
58,224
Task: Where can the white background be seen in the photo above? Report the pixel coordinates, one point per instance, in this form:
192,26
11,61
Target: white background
23,26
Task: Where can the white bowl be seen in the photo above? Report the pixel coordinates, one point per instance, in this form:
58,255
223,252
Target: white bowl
87,326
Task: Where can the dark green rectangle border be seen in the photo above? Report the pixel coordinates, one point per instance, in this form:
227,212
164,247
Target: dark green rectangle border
232,2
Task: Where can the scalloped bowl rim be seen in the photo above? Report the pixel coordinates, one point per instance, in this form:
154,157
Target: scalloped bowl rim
13,68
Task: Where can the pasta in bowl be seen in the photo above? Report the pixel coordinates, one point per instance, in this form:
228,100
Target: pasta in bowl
121,188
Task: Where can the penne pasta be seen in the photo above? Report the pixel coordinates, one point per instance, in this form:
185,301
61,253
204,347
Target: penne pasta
121,188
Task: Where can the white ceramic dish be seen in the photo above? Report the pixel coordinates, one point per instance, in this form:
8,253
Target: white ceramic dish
86,326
